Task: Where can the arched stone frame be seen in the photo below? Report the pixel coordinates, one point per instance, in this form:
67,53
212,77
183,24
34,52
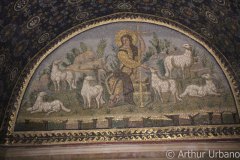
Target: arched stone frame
117,135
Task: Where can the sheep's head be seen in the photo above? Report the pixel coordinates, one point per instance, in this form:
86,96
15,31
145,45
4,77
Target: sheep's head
206,76
152,70
89,78
42,94
187,46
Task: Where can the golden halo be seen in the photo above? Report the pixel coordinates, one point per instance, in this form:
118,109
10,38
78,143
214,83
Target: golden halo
121,33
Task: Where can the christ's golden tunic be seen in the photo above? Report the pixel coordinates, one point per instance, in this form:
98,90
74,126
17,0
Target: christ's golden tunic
128,61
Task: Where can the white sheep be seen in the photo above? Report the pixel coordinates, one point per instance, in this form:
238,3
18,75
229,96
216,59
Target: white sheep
200,91
163,85
179,61
57,75
89,91
49,107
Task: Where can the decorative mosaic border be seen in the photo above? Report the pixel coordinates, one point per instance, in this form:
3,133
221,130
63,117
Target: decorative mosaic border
126,135
116,135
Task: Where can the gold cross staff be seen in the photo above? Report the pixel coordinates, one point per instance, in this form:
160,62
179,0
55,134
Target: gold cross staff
140,73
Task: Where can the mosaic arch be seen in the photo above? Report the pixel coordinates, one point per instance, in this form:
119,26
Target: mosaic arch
126,79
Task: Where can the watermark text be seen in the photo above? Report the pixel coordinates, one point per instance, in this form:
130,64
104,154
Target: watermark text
210,154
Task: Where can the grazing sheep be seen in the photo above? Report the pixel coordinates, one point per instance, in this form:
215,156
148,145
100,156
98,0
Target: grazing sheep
179,61
200,91
89,91
57,75
162,86
49,107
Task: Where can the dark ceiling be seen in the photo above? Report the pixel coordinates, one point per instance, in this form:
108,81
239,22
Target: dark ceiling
27,26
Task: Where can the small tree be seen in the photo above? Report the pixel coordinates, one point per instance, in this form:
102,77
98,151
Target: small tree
156,43
83,47
101,48
204,61
115,48
70,57
75,51
148,54
167,43
195,52
112,62
160,45
46,70
161,67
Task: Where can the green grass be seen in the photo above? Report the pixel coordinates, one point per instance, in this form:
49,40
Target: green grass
72,101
